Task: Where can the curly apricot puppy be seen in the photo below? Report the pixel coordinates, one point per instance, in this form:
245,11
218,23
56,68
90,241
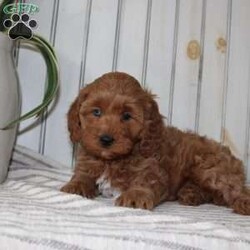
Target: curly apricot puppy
126,151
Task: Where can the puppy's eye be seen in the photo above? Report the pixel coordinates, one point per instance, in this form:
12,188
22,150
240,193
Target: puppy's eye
97,112
126,116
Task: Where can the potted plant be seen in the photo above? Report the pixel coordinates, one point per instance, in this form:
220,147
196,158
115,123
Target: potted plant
9,89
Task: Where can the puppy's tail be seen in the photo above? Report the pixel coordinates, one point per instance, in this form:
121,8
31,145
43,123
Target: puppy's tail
241,204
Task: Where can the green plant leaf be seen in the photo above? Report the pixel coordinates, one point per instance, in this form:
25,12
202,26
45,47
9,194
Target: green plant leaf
49,56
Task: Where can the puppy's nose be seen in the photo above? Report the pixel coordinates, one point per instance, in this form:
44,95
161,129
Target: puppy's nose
106,140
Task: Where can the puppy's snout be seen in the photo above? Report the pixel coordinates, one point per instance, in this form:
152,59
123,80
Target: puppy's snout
106,140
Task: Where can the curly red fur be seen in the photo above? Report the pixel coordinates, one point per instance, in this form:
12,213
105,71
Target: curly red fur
147,161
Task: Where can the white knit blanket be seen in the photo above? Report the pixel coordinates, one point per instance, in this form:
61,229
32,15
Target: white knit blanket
35,215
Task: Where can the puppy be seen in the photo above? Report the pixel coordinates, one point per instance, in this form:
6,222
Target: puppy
127,152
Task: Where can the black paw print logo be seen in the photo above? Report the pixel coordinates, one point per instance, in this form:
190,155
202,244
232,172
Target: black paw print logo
20,26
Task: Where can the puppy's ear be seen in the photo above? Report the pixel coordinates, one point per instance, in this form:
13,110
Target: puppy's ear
153,127
74,124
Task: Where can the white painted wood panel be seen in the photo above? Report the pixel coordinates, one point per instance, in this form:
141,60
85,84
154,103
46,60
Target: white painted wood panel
70,37
247,142
161,44
235,117
100,50
133,20
213,76
31,68
185,77
148,39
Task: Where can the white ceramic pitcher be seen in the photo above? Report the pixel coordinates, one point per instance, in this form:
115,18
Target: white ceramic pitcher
9,102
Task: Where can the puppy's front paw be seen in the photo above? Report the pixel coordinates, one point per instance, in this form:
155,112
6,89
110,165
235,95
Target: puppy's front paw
84,189
136,199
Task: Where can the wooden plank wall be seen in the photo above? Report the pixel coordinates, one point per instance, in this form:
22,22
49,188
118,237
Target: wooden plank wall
208,93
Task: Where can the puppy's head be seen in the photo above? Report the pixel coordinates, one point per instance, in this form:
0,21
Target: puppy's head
112,115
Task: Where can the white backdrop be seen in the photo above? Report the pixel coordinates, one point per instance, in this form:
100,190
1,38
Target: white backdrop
148,39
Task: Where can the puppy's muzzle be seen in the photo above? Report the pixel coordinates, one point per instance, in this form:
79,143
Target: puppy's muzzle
106,140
